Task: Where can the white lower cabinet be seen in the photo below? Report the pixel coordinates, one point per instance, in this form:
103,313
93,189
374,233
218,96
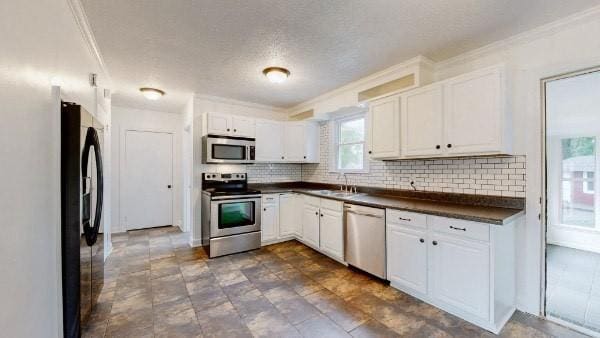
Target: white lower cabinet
287,219
460,274
310,225
408,247
269,218
332,233
463,267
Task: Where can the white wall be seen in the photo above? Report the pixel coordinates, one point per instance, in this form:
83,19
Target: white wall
40,41
136,119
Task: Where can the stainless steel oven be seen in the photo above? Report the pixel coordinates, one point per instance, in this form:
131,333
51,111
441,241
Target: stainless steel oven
228,149
232,215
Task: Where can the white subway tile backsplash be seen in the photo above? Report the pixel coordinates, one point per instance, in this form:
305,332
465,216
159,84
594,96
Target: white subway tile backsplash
500,176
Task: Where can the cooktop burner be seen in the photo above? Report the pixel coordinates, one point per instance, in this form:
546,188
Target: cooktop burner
226,185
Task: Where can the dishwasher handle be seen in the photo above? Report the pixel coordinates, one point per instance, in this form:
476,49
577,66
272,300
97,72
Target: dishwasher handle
363,214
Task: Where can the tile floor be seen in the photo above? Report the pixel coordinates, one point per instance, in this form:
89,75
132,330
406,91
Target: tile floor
573,289
155,285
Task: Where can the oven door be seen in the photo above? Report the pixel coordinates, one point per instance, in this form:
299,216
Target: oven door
220,149
234,215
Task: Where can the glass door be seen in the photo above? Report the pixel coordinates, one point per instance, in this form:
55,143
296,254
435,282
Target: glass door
572,133
236,214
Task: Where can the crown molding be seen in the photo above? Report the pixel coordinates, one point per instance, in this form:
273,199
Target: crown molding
247,104
88,36
420,59
587,15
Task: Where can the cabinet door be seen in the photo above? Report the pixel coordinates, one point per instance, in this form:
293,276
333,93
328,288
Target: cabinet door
422,122
298,212
407,257
287,215
384,128
332,233
474,113
312,142
218,124
310,225
269,141
294,143
269,222
243,126
460,274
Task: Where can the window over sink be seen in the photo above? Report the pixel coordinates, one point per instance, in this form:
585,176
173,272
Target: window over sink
348,139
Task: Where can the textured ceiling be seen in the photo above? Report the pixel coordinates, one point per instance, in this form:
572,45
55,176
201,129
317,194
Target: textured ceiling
220,47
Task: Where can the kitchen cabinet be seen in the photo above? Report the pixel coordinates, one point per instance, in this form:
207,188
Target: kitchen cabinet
475,117
407,250
383,121
460,274
422,122
230,125
301,142
289,218
269,145
270,218
332,232
310,225
465,268
461,116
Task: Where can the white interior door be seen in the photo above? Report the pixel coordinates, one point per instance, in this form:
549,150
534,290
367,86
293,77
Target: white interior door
147,195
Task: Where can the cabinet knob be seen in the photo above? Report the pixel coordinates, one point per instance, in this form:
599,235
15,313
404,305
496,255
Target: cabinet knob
304,156
228,129
434,243
316,213
282,157
321,215
421,240
235,130
449,145
437,146
265,209
370,152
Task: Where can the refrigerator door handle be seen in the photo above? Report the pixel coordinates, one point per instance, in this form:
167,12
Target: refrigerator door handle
91,140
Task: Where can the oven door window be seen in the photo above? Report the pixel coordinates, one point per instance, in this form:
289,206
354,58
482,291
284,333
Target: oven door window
236,214
228,152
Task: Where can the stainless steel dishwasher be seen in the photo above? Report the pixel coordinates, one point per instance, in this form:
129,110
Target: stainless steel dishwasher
365,238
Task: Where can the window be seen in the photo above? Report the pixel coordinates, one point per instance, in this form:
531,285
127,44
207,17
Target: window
578,165
349,141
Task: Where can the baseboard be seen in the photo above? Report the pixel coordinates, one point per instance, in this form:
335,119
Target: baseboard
275,241
194,243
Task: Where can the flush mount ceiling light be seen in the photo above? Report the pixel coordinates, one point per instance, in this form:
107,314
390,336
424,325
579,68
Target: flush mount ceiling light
276,74
152,93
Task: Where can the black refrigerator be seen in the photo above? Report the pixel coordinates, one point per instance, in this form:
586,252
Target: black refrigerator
81,216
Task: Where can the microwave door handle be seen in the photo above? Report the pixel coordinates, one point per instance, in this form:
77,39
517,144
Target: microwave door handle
247,153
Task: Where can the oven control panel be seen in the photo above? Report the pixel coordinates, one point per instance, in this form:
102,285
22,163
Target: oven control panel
224,177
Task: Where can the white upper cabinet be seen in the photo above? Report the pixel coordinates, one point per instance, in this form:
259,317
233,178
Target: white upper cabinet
461,116
422,122
243,126
269,145
276,141
475,113
218,124
230,125
383,122
301,142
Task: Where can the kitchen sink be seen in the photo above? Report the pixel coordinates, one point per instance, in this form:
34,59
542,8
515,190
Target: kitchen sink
337,193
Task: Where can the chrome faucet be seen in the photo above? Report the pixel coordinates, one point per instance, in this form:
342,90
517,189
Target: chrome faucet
345,186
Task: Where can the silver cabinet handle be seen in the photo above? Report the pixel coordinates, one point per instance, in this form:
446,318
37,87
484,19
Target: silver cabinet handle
459,229
404,219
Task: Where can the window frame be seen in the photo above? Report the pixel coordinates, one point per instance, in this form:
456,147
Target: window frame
335,126
560,178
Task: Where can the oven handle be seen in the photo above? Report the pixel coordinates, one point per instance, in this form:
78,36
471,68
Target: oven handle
236,197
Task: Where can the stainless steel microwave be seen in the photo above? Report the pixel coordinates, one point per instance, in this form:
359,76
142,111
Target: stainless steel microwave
228,149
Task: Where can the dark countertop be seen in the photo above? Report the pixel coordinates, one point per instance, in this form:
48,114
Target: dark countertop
485,209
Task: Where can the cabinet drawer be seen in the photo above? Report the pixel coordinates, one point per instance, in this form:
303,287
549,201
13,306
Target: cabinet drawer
406,218
270,199
315,201
460,228
332,204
